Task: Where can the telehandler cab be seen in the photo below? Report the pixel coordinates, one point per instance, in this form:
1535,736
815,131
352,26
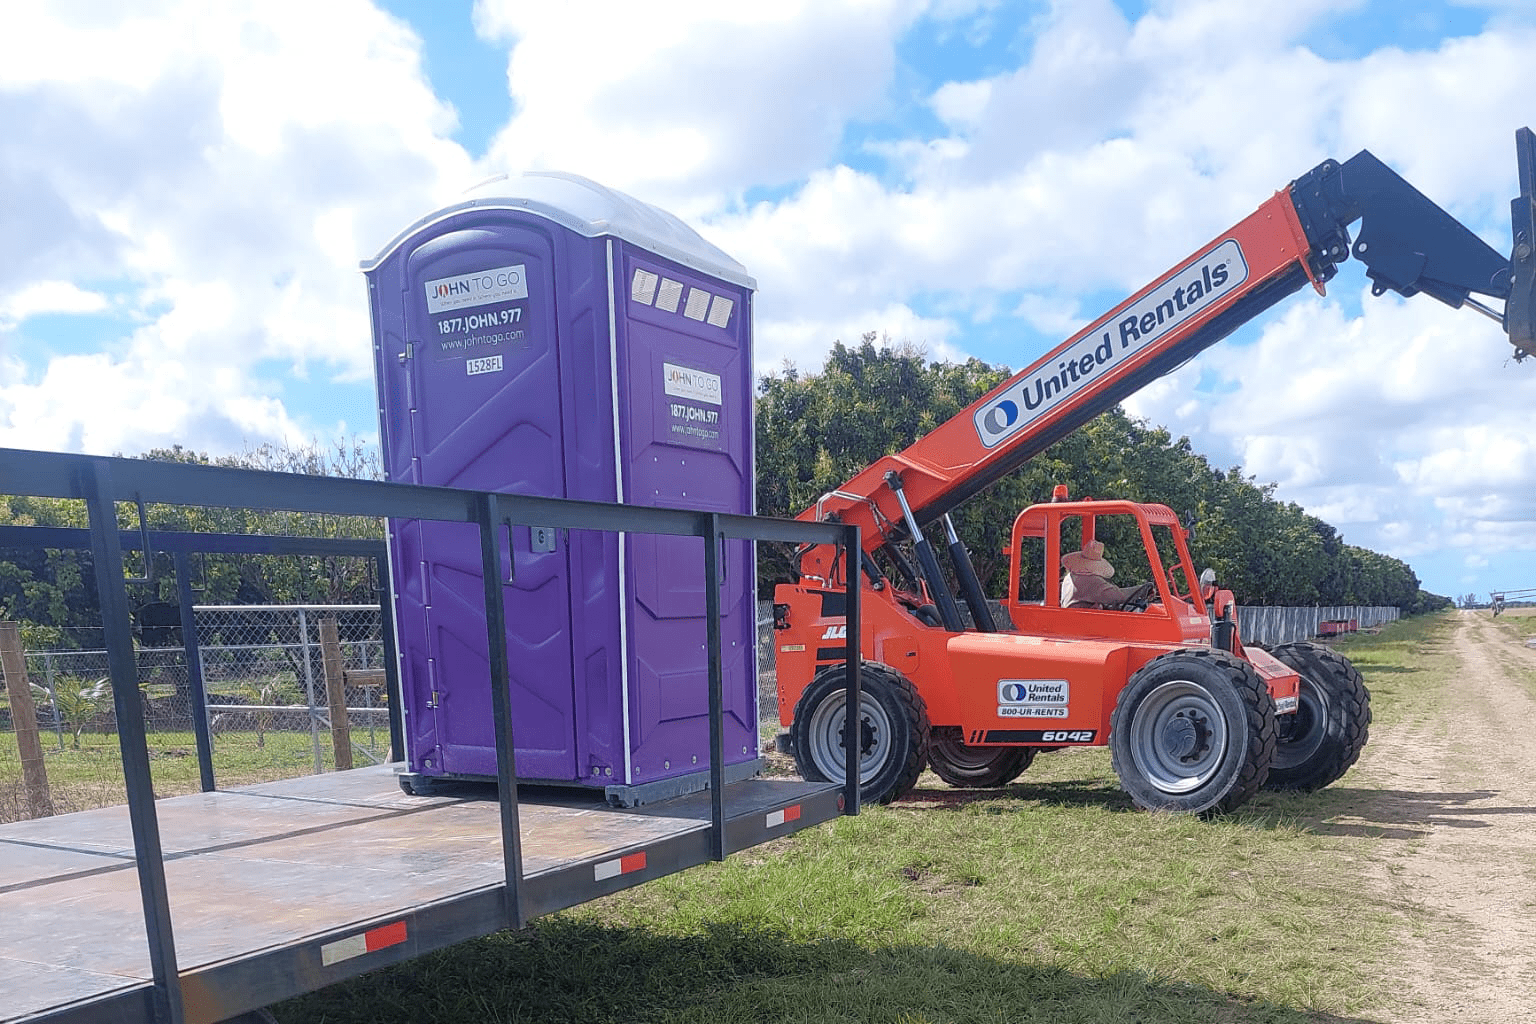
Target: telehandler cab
1196,721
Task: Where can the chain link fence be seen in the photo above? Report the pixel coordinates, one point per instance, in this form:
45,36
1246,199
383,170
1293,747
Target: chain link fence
267,701
265,672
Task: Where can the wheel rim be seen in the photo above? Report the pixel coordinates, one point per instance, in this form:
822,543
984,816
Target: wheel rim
1300,739
1179,737
827,738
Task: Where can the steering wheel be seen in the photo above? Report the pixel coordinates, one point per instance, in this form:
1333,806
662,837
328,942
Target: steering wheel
1138,599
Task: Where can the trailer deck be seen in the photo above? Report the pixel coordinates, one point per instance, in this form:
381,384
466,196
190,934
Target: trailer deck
204,907
282,888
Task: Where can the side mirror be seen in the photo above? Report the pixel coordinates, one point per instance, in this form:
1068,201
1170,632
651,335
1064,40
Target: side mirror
1207,577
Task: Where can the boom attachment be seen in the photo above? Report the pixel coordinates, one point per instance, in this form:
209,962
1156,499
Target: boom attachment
1520,309
1407,243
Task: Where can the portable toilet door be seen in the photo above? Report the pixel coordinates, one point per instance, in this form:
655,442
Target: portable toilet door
482,397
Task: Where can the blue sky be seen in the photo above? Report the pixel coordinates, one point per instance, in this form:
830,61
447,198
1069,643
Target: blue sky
188,189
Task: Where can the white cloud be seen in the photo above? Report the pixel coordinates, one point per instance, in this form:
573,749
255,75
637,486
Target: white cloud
224,167
1403,426
805,345
210,174
690,107
48,297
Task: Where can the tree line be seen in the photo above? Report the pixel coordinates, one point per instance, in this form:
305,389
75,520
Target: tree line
814,432
52,592
817,430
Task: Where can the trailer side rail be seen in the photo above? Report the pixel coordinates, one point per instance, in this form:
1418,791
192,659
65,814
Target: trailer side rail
103,482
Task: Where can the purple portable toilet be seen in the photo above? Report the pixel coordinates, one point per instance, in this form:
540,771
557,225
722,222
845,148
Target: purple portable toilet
553,337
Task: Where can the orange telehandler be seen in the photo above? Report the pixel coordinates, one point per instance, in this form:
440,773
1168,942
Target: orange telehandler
1196,721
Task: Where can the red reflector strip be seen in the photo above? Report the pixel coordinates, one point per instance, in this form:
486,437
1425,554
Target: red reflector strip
371,941
386,936
621,866
778,818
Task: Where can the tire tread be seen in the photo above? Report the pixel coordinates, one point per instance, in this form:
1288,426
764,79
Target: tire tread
913,708
1319,662
1261,732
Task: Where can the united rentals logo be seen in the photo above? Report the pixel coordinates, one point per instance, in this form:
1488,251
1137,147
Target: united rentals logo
1033,698
1113,341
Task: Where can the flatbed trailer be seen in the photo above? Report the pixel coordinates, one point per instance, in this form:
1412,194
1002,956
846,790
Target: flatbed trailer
208,906
285,887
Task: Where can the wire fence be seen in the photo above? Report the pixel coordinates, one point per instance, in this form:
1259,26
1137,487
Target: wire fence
266,698
1270,626
265,672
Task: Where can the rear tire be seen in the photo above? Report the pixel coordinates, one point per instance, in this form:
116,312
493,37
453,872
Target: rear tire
1332,720
1193,732
968,767
893,731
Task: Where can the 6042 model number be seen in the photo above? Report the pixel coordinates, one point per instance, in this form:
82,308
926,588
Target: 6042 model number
1067,736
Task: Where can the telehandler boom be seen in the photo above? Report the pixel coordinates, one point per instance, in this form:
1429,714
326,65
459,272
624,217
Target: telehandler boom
1195,720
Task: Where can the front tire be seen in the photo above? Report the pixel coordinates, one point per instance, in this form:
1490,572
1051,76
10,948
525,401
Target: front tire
1324,737
1193,732
967,767
893,732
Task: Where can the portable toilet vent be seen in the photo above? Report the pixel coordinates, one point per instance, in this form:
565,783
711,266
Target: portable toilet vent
549,336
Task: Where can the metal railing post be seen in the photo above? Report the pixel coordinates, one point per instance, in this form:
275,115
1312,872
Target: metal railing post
107,557
309,692
192,652
501,702
393,696
711,524
853,719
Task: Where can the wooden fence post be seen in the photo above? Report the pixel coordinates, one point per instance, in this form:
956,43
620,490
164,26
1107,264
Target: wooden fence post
34,771
335,693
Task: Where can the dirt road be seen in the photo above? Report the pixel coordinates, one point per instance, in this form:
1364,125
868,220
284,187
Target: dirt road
1454,800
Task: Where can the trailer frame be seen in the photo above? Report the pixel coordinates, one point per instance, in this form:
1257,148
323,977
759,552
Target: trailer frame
673,834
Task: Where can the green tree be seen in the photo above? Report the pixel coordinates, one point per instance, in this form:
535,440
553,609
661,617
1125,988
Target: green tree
52,592
815,431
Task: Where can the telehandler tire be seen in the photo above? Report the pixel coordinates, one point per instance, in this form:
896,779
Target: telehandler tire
967,767
893,731
1193,732
1324,737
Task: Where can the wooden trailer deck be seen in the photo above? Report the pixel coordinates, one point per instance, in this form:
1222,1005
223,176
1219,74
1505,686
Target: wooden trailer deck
285,887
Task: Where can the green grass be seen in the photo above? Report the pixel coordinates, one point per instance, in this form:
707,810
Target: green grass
1050,900
92,776
1401,662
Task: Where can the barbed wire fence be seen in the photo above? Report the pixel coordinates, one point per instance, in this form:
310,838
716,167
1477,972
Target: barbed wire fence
271,674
